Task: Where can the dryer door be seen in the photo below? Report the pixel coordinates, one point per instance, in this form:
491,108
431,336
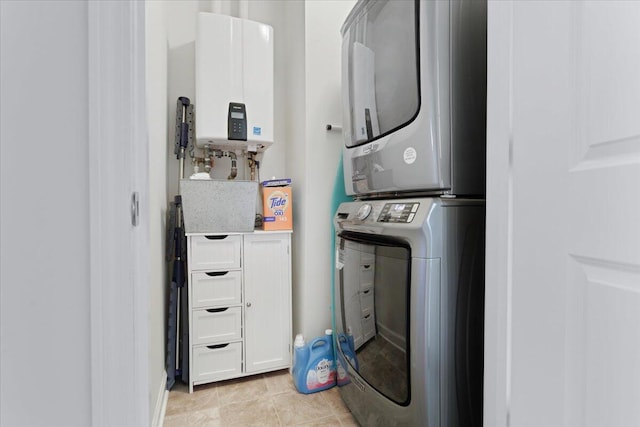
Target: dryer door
371,312
380,70
396,97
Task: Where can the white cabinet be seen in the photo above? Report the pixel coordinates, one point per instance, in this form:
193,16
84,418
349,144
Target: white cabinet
267,301
239,302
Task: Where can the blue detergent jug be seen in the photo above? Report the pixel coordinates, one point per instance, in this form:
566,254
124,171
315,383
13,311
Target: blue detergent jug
346,344
314,368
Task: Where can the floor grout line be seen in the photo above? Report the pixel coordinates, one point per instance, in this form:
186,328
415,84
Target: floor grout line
276,410
274,388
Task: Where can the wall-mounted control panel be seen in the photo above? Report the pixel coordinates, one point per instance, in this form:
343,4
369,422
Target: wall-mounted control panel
237,122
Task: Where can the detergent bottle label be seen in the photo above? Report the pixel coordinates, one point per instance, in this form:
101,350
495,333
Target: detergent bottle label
323,374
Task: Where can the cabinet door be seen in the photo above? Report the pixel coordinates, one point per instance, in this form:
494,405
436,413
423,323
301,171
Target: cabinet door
267,301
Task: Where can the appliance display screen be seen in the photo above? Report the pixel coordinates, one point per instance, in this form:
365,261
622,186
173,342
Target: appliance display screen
398,212
235,115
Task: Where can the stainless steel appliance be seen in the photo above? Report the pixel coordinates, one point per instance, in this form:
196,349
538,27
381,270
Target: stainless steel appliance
409,307
409,283
414,98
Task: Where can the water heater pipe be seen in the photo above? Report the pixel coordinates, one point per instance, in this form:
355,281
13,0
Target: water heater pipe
234,161
208,159
234,166
252,165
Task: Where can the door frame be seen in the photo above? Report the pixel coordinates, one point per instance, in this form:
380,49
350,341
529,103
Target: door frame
499,222
118,166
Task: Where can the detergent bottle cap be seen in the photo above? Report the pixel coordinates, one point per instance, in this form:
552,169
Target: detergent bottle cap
299,341
328,332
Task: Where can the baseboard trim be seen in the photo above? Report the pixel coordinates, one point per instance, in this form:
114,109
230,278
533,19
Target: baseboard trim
161,403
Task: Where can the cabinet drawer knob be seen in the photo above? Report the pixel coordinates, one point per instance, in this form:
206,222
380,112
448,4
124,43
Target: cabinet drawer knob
248,304
217,310
214,347
216,273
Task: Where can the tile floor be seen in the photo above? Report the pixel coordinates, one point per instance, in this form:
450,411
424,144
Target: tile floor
260,400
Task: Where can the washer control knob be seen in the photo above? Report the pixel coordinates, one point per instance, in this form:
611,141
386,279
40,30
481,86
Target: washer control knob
363,212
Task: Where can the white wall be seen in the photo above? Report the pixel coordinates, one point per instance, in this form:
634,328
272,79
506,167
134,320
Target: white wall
297,148
45,352
314,161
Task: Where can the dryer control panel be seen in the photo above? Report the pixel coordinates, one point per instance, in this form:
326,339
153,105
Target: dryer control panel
398,212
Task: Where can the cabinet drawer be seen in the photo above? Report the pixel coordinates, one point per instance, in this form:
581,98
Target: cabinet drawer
367,273
215,252
216,362
367,256
216,325
216,289
366,297
368,325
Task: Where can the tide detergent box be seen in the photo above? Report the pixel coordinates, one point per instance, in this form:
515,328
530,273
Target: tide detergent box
277,210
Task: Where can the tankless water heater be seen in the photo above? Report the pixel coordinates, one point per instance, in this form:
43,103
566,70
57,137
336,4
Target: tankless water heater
234,83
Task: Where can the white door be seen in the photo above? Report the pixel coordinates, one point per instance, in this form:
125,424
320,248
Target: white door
267,292
563,214
118,205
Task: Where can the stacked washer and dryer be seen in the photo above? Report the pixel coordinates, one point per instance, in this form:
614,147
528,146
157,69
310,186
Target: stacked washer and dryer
409,288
